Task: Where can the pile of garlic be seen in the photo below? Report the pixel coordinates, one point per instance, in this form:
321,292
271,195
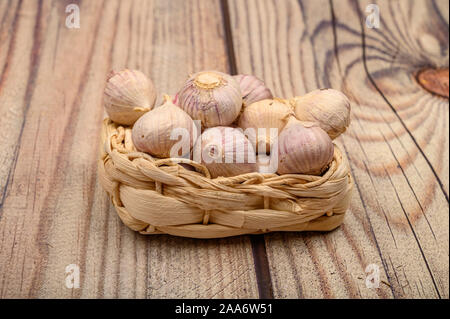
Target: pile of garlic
231,124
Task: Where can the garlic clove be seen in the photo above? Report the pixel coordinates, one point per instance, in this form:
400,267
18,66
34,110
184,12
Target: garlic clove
252,89
329,108
304,148
128,95
212,97
263,121
166,131
225,151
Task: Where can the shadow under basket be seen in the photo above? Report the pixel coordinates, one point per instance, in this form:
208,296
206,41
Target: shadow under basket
178,197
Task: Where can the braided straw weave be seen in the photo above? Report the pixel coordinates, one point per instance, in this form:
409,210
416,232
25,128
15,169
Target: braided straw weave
178,196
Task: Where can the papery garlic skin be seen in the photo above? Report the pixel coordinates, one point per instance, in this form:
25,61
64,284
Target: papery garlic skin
252,89
225,151
259,118
304,148
212,97
267,164
158,132
328,107
128,95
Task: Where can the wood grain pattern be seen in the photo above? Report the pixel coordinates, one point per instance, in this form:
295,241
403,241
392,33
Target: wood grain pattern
53,212
397,143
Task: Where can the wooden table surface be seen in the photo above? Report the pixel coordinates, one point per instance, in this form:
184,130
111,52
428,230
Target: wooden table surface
53,212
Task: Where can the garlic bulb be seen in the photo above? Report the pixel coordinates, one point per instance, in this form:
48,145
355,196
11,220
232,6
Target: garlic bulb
304,148
225,151
158,132
128,95
329,108
263,121
212,97
252,89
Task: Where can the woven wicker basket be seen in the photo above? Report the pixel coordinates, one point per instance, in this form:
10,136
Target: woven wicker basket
178,196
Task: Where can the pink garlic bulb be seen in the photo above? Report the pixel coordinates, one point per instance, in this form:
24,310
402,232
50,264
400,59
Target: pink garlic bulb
252,89
166,131
225,151
212,97
128,95
304,148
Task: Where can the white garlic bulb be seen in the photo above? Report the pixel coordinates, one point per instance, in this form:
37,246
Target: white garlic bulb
304,148
252,89
329,108
225,151
263,121
128,95
158,132
212,97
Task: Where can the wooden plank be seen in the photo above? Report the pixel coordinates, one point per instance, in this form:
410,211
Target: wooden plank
420,172
54,212
16,36
398,218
